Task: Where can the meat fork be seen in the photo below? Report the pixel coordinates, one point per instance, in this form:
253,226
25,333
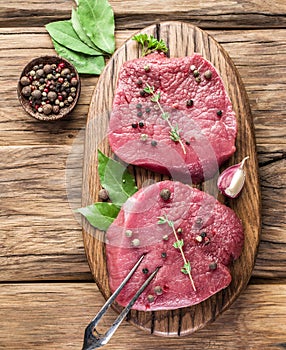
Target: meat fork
93,339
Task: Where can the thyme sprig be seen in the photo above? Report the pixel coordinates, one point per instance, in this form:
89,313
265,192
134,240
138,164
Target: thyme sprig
150,44
175,131
186,269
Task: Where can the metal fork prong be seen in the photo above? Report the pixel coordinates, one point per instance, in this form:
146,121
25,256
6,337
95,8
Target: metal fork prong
107,304
123,314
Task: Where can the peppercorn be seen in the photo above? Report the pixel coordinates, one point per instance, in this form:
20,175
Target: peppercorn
180,230
139,114
165,238
40,73
142,93
74,82
32,73
47,109
26,91
190,103
150,298
154,143
103,194
47,68
208,74
203,234
25,81
147,68
139,82
36,94
141,124
164,255
128,233
56,109
213,266
66,84
158,290
144,137
165,194
135,242
65,72
148,109
219,113
198,79
196,73
187,143
134,125
145,271
52,96
70,99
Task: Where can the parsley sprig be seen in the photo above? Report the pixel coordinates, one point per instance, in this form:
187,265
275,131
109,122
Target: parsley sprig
186,269
150,44
175,131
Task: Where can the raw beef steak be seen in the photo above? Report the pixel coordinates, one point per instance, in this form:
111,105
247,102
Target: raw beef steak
193,95
212,236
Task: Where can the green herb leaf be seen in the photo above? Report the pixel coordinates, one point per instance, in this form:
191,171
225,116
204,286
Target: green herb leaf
178,244
80,32
149,89
84,63
186,269
100,215
156,97
97,20
165,115
115,178
162,220
175,133
150,44
63,33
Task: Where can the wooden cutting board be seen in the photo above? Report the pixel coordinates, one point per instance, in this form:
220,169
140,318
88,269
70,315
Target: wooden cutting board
182,39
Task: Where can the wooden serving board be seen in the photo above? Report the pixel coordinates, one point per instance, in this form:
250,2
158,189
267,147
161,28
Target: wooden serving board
182,39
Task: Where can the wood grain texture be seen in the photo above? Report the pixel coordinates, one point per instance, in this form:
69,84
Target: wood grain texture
181,39
53,317
134,14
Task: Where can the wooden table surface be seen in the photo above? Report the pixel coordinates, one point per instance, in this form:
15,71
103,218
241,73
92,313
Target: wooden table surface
47,295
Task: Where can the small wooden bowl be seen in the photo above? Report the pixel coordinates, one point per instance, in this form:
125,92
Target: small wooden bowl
64,111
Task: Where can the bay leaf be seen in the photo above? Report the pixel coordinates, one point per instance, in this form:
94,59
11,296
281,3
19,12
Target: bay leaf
100,215
116,179
79,30
97,20
85,64
64,34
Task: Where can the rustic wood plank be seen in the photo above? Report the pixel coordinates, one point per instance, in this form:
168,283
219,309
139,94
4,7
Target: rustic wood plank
134,14
53,316
262,72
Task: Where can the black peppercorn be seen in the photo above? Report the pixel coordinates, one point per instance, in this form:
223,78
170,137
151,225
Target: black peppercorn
148,109
190,103
213,266
142,93
145,271
164,255
134,125
141,124
139,114
139,106
219,113
154,143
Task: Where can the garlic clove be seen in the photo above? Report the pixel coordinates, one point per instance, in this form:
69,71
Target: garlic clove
231,180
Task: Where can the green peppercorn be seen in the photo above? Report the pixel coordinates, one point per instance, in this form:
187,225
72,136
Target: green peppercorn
147,68
196,73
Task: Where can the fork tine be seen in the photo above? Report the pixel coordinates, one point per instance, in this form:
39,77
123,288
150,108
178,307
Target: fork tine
93,342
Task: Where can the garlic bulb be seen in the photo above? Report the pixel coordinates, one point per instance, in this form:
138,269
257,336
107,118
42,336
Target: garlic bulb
231,180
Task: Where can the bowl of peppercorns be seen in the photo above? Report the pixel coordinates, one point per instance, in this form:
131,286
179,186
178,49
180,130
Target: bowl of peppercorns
49,88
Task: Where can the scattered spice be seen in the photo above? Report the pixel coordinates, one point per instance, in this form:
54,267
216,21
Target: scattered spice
135,242
165,238
150,298
158,290
179,230
134,125
213,266
139,106
128,233
141,124
139,82
154,143
139,114
219,113
164,255
190,103
208,74
145,270
148,109
144,137
165,194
